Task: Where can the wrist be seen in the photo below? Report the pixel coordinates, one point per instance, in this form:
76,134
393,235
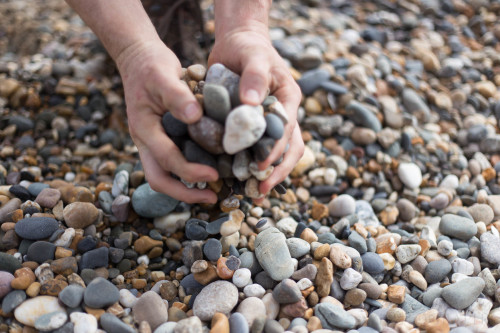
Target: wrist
136,53
243,15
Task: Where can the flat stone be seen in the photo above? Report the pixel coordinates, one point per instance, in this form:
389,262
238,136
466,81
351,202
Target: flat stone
32,309
48,197
100,293
463,293
150,308
149,203
218,296
41,251
457,226
13,300
8,263
333,317
35,228
238,323
252,308
112,324
273,255
274,126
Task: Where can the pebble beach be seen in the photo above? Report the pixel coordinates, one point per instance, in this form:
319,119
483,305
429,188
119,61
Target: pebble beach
390,222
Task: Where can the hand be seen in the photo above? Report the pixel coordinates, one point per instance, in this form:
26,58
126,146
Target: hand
249,51
151,79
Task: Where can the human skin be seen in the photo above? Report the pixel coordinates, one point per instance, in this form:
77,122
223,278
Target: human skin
151,78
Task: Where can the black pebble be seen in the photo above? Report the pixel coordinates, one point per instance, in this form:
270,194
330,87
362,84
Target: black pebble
173,126
20,191
41,251
194,153
280,189
196,229
262,148
95,258
261,223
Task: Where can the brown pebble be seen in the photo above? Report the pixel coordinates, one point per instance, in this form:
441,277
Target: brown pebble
322,251
296,309
220,323
64,266
396,294
396,315
222,270
168,291
207,276
34,289
313,324
324,277
176,314
24,277
439,325
53,287
355,297
97,313
80,215
309,236
145,244
339,257
139,283
319,211
424,318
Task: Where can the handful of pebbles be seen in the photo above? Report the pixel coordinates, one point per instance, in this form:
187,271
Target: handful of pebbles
230,137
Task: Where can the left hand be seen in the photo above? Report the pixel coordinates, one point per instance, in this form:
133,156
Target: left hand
249,52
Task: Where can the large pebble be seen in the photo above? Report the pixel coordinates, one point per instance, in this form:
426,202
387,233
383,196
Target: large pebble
342,205
35,228
208,134
415,104
32,309
151,308
101,293
457,227
216,101
410,175
245,125
5,279
252,308
490,248
218,296
80,215
273,255
333,317
51,321
463,293
221,75
149,203
112,324
83,322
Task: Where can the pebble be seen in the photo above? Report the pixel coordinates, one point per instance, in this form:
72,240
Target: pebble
83,322
150,308
79,215
148,203
216,101
372,263
463,293
245,125
238,323
100,293
273,255
112,324
72,295
286,292
48,197
490,248
410,175
342,205
334,317
32,309
252,308
457,227
437,270
51,321
219,296
13,300
35,228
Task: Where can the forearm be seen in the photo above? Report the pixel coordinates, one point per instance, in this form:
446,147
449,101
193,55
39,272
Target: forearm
119,24
231,15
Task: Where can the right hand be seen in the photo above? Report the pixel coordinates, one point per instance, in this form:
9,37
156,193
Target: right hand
151,80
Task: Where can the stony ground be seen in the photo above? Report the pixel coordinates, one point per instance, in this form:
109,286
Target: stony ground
389,222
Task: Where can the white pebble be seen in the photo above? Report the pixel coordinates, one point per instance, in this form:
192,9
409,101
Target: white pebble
254,290
144,259
127,299
242,277
84,323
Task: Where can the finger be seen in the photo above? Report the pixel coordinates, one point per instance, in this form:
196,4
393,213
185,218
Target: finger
289,95
149,132
174,95
254,81
161,181
291,157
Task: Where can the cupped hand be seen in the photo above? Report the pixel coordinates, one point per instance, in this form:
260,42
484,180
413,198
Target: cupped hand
249,52
151,79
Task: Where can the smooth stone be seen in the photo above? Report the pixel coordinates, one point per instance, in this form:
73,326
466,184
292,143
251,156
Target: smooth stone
372,263
212,249
112,324
173,126
407,252
195,154
72,295
410,175
241,165
213,228
334,88
216,102
362,116
342,205
32,309
5,279
48,197
311,80
120,183
35,228
220,74
36,188
413,308
262,148
189,325
244,126
272,253
195,229
83,322
79,215
151,308
252,308
457,226
95,258
297,247
51,321
333,317
350,279
490,248
274,126
218,296
238,323
150,204
41,251
463,293
415,105
8,263
7,208
286,292
207,133
357,242
20,191
437,270
100,293
12,300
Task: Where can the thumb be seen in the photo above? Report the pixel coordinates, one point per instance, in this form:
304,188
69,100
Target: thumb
179,100
254,81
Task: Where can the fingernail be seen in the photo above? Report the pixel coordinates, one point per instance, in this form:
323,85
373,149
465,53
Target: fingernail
252,96
191,111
